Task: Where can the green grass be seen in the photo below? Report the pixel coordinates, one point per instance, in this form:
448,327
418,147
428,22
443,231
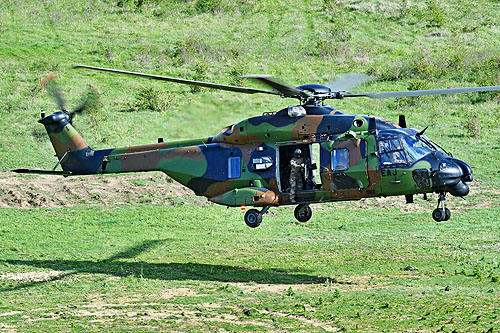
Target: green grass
184,267
191,268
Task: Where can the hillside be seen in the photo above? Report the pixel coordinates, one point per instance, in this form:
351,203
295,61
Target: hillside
406,44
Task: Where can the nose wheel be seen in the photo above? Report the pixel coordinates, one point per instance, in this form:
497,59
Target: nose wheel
441,213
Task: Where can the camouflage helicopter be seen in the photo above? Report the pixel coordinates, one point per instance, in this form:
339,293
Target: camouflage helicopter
343,156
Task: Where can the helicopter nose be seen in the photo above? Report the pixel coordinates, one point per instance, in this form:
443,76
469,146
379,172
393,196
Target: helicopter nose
452,177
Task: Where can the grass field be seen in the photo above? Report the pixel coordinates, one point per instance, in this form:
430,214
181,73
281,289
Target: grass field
171,268
79,258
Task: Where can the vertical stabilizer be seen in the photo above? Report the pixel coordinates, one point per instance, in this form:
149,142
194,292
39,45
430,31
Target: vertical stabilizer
62,134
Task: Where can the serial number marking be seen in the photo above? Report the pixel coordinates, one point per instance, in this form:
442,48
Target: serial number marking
388,172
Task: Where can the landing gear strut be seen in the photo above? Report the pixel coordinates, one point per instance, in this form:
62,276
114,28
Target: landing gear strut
303,213
253,217
441,213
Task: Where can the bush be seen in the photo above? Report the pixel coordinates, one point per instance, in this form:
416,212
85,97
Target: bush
415,84
198,72
331,7
333,42
434,14
152,99
207,6
96,113
235,73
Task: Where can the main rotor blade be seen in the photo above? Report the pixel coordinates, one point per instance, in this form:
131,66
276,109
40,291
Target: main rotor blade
345,82
414,93
183,81
284,89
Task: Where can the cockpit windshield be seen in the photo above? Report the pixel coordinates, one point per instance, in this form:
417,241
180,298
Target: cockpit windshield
403,150
416,147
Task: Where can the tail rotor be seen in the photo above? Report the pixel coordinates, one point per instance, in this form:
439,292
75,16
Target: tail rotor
89,100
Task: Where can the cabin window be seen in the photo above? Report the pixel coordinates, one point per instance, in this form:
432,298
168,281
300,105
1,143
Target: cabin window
233,167
392,151
340,159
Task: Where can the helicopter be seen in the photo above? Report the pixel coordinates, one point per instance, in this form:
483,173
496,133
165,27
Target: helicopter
344,156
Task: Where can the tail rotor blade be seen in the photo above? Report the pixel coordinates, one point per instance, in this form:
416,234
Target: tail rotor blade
91,99
54,91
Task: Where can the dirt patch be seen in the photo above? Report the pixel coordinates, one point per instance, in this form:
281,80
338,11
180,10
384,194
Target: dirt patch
48,191
273,288
351,283
141,310
34,276
9,313
177,292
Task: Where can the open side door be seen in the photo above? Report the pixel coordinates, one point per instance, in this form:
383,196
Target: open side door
311,155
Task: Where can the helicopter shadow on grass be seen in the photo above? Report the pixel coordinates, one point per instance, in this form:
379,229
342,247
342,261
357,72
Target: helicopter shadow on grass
161,271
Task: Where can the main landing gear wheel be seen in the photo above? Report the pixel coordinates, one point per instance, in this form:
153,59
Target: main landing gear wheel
447,214
303,213
253,218
438,215
441,213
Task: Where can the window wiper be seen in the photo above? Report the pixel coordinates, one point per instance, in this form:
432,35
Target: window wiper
430,143
447,153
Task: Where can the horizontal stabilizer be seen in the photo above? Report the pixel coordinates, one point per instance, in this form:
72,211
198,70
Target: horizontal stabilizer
44,172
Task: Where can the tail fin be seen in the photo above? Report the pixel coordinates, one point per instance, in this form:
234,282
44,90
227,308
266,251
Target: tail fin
65,139
74,154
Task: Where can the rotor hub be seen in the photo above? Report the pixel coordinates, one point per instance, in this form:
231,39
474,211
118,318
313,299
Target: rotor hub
315,89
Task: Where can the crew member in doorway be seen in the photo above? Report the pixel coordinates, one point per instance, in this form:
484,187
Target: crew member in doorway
297,167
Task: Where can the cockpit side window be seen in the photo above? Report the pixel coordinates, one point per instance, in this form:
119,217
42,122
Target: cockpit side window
392,152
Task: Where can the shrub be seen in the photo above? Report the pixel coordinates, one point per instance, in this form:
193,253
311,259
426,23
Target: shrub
208,6
152,99
235,73
96,113
333,42
434,14
331,7
415,84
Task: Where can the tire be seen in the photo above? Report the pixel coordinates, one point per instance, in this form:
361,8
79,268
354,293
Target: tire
303,213
253,218
447,214
438,215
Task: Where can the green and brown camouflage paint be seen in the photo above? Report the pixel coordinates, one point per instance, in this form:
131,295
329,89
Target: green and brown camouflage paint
202,164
